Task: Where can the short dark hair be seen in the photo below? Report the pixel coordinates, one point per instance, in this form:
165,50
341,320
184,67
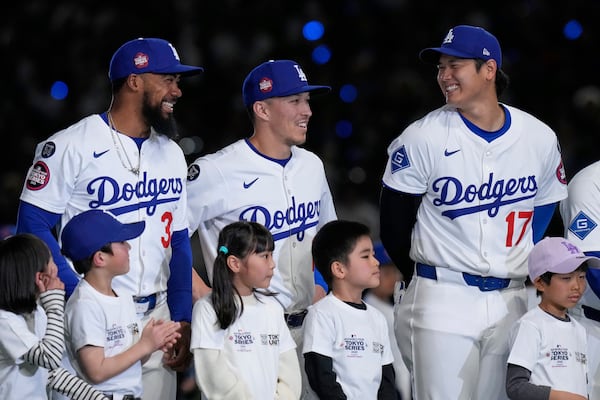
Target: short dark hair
546,277
502,79
334,242
85,265
21,257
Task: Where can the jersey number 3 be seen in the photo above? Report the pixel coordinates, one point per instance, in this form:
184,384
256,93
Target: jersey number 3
512,220
168,219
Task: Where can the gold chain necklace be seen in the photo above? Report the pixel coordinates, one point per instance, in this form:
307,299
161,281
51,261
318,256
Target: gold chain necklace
115,136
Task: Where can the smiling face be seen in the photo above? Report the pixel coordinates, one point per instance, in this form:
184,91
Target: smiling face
161,92
462,84
288,117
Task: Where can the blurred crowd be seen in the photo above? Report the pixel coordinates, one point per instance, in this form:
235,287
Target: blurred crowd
374,46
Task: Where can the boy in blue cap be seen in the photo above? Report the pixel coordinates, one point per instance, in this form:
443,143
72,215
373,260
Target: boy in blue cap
105,342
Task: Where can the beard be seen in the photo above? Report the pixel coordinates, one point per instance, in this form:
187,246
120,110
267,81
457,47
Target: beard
163,126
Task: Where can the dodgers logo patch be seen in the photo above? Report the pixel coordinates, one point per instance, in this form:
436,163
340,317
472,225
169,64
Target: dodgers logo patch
400,159
582,225
193,172
48,149
38,177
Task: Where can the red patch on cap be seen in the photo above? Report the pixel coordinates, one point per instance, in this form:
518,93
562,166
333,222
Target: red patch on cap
561,174
140,60
38,177
265,85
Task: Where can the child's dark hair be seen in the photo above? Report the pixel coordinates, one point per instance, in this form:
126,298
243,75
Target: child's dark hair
85,265
21,256
546,277
239,239
334,242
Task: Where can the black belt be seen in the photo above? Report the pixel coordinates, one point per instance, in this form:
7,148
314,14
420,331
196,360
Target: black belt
484,283
296,319
591,313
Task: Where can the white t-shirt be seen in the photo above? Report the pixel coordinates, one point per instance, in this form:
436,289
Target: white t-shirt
252,344
95,319
554,351
19,379
356,340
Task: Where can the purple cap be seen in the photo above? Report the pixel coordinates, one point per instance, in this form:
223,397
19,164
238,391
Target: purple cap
557,255
88,232
145,55
465,41
277,79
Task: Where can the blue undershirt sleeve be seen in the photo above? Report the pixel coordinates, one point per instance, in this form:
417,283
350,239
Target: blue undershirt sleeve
319,280
37,221
179,286
542,215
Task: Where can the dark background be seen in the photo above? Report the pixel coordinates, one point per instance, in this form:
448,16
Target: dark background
374,46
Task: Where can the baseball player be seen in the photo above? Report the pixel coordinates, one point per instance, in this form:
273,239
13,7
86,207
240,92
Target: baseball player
268,178
581,214
548,357
124,161
468,188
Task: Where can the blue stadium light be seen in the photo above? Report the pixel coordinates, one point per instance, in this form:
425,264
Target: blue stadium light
313,30
59,90
343,129
348,93
573,30
321,54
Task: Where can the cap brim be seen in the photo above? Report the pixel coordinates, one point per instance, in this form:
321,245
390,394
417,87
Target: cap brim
183,70
130,231
313,89
431,55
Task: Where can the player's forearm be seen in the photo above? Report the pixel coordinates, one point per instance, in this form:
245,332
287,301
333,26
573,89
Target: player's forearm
289,381
32,219
215,379
179,286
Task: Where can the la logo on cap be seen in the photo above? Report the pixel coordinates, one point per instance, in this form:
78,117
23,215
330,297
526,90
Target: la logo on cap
301,73
449,37
140,60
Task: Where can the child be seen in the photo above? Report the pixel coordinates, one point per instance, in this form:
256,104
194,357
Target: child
102,325
242,346
31,315
347,348
548,347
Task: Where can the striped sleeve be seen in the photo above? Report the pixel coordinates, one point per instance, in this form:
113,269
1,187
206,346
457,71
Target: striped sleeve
61,381
49,350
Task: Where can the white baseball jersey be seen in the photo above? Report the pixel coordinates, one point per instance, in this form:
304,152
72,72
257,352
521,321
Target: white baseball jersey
477,208
19,379
553,350
95,319
580,213
293,202
86,166
356,340
252,344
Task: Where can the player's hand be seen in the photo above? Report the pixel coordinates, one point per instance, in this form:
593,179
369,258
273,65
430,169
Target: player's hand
560,395
179,357
45,281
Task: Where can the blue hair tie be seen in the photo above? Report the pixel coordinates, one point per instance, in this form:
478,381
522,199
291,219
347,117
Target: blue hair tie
223,249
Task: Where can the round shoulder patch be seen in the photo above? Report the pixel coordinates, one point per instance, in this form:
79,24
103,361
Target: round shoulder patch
48,149
561,174
38,177
193,172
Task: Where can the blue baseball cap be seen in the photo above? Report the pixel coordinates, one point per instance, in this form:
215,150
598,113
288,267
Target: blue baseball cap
88,232
145,55
277,78
465,41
